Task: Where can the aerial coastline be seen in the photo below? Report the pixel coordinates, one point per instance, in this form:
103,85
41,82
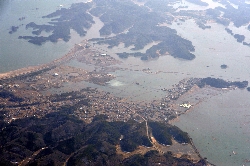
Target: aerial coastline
29,92
91,95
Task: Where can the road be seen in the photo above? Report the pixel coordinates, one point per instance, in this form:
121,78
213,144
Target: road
150,137
28,159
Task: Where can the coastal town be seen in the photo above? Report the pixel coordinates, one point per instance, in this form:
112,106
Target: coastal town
35,88
59,87
50,87
134,82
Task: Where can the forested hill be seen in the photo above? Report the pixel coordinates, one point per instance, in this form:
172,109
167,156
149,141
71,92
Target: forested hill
59,138
138,23
131,24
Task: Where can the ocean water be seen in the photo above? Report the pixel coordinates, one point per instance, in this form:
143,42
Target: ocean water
219,125
220,129
18,53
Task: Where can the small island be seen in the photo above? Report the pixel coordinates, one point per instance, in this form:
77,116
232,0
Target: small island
75,17
13,29
220,83
240,38
223,66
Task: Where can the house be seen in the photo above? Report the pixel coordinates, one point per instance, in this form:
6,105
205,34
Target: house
56,74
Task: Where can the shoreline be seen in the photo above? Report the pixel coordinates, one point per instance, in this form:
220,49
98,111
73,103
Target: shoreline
32,69
72,54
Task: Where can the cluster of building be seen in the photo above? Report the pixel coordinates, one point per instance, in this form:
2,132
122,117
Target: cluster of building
36,90
179,89
38,103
